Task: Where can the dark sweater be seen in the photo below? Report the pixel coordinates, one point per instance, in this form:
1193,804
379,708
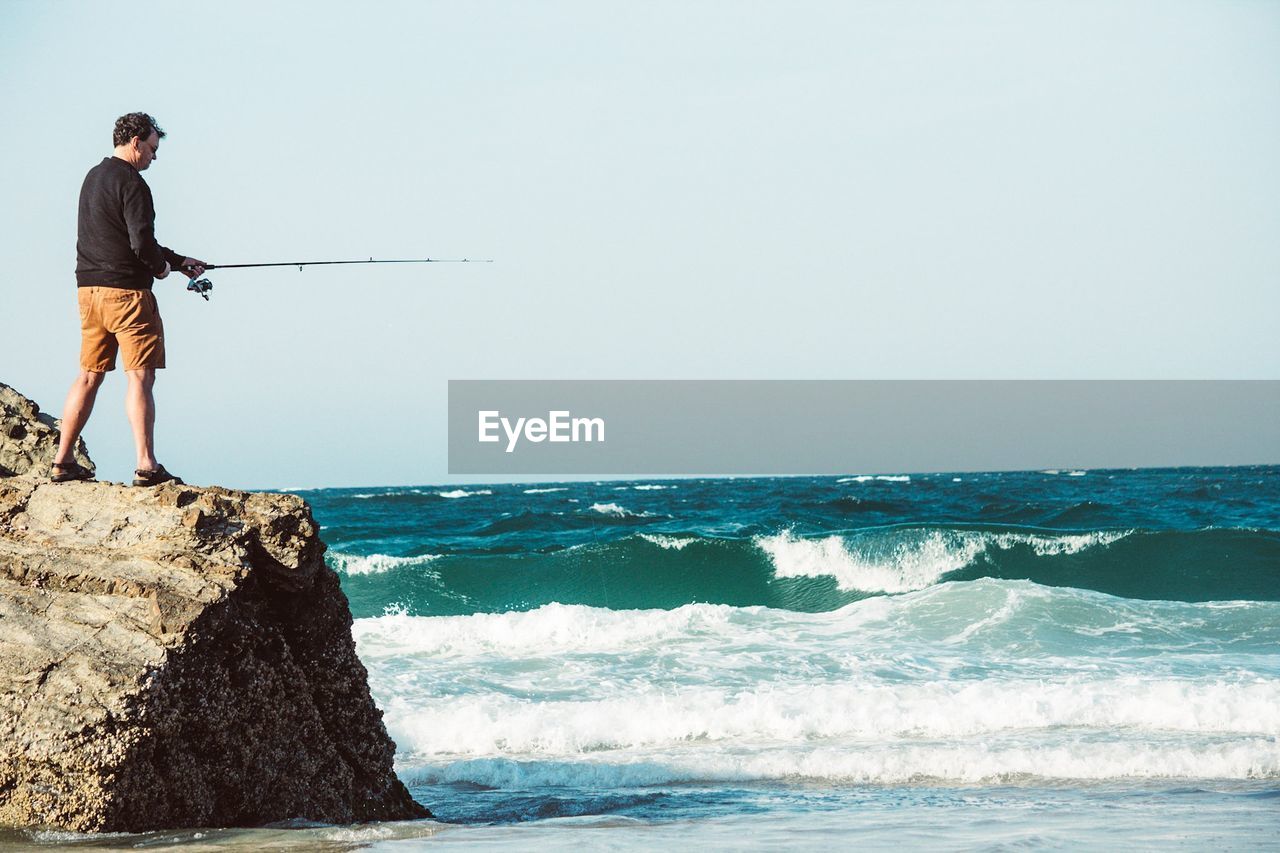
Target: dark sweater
116,237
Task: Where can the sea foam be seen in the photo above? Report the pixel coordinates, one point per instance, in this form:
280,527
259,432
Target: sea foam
1251,758
905,559
373,564
616,511
866,478
1031,712
552,629
670,543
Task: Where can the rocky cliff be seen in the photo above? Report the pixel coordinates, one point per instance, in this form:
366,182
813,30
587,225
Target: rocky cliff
29,437
175,656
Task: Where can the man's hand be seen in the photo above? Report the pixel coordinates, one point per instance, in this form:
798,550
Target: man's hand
192,267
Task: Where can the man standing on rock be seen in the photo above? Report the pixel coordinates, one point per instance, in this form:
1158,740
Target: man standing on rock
117,257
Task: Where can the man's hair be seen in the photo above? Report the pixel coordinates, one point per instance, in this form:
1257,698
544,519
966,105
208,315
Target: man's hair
130,125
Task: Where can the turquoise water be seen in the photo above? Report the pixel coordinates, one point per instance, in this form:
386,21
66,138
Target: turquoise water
957,661
969,659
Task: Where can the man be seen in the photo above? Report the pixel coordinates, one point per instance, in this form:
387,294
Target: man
117,257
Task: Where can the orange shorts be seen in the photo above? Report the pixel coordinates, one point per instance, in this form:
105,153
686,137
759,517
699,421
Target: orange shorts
114,319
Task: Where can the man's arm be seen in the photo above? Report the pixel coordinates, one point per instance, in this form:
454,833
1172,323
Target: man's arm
140,219
189,267
172,258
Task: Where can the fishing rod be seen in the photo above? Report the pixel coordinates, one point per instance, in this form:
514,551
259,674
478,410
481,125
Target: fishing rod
202,286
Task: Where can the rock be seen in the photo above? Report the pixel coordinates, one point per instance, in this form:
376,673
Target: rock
178,656
29,438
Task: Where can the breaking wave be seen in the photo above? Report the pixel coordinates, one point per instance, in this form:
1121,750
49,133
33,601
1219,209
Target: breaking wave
816,573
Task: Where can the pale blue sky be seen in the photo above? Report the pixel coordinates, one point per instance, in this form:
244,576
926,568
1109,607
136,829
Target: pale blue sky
669,190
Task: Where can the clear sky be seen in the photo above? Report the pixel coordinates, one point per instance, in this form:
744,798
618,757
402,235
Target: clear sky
669,190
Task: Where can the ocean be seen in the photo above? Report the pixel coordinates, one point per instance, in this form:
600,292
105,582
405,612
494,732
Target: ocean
1059,658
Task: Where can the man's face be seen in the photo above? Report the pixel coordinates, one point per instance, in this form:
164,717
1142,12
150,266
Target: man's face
147,150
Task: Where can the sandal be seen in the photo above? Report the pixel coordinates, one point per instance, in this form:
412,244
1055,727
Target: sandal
154,478
70,471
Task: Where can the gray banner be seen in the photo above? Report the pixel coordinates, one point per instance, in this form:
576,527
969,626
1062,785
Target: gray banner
661,427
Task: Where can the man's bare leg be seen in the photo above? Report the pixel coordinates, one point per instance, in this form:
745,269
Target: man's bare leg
140,406
76,411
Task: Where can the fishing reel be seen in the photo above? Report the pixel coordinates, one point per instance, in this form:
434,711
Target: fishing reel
201,287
